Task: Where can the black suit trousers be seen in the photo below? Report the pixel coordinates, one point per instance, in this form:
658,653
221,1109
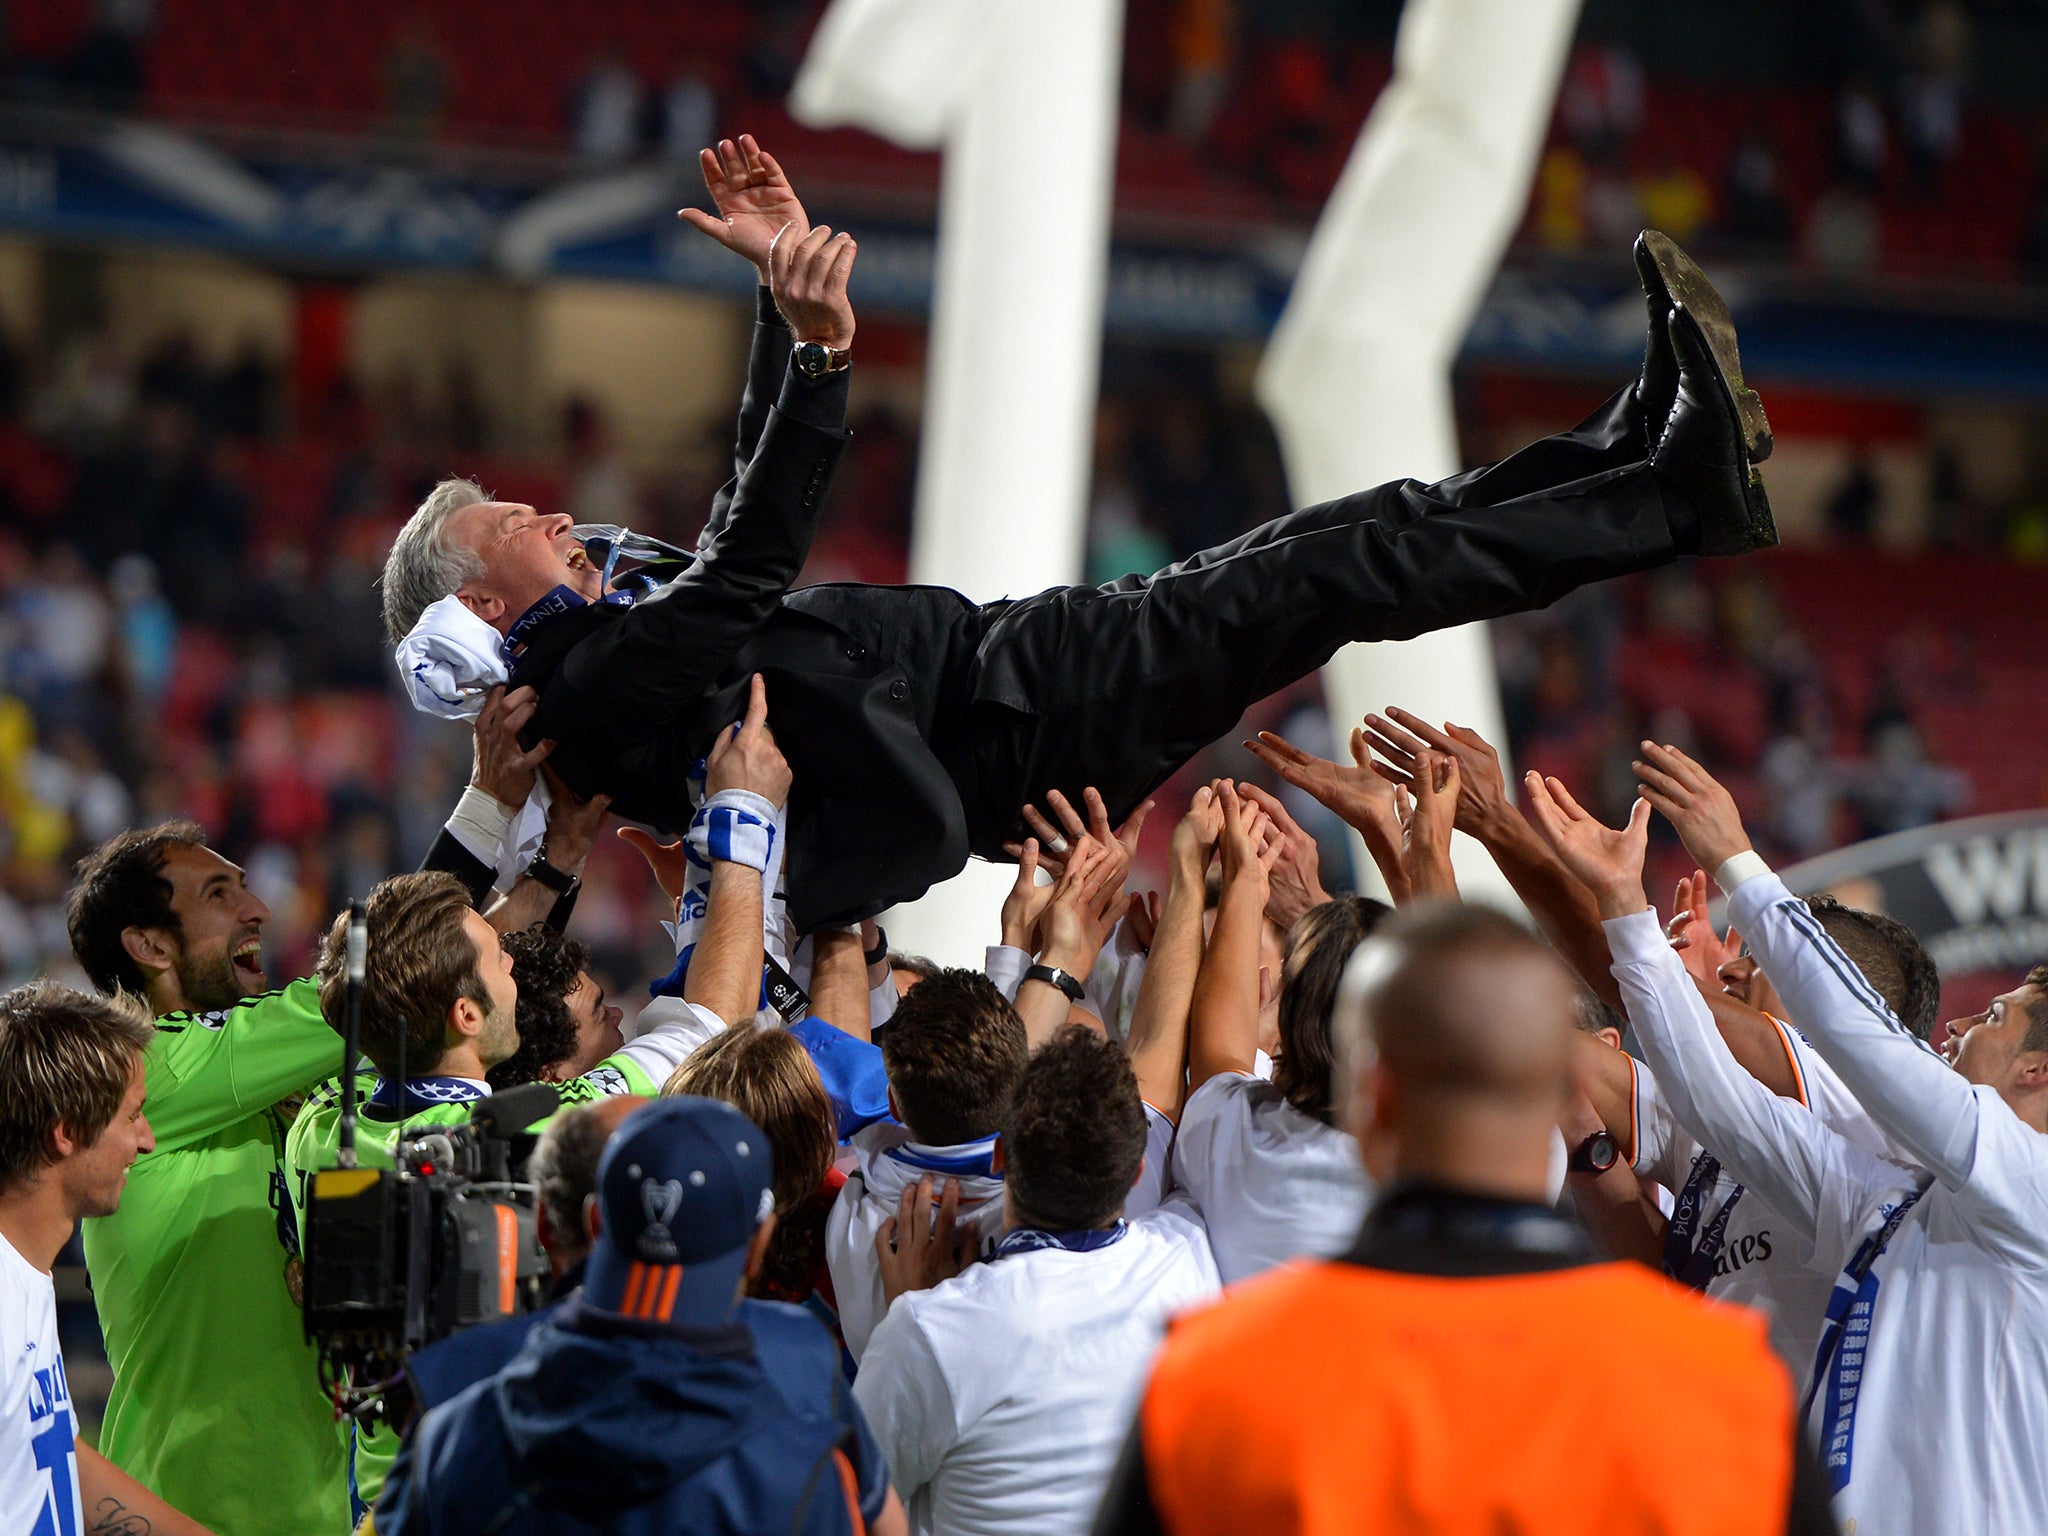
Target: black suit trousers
1117,686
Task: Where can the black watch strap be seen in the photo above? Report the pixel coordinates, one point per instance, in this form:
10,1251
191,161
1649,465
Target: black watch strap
554,879
1053,976
880,952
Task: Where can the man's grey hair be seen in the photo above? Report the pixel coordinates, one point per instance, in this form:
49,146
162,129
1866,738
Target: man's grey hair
421,568
563,1170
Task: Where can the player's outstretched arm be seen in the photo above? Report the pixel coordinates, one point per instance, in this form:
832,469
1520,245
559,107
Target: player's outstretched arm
1223,1024
1358,796
725,970
1077,921
755,204
1804,1170
634,674
1158,1043
1924,1105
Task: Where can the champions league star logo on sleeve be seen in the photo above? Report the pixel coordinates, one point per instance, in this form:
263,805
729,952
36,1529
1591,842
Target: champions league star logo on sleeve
660,1199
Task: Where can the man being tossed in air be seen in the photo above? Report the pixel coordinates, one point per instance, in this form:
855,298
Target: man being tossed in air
919,722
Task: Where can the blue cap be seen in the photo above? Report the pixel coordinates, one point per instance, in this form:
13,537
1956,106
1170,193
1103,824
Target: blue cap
682,1187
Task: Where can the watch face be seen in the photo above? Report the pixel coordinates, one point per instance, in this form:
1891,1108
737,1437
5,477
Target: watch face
1601,1151
813,357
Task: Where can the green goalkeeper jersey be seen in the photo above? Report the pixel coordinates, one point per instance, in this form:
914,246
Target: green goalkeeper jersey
216,1404
429,1101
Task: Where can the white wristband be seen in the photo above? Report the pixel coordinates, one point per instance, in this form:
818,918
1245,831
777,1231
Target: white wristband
1746,865
480,823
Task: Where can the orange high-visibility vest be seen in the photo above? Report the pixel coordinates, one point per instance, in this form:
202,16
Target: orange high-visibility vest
1599,1401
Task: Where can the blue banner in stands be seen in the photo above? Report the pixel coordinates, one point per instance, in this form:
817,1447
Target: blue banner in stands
112,180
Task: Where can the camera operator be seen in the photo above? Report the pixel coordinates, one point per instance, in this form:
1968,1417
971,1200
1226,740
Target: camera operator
563,1171
71,1126
439,995
657,1400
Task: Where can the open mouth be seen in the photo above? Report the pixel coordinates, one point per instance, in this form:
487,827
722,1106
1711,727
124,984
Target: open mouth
578,560
248,961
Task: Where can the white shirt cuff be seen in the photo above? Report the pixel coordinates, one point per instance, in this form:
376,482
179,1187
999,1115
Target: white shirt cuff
1005,965
1746,865
1637,939
480,823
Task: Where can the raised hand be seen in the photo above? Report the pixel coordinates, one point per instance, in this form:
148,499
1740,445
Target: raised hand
502,768
755,201
1360,797
807,273
916,1248
1694,802
1692,933
1429,804
1054,841
1250,844
746,757
1194,839
1142,911
1084,909
1296,883
669,862
1026,902
1606,860
573,824
1398,736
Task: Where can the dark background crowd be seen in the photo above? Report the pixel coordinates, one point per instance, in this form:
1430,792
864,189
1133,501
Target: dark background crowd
188,542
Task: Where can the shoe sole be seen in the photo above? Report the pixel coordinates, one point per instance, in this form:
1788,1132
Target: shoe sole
1684,283
1679,278
1758,529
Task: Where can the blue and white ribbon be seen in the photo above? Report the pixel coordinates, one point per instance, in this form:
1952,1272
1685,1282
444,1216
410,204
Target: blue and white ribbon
962,1160
1844,1342
1030,1239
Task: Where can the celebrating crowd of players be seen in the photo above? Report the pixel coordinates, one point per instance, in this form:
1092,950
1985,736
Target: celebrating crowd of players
1240,1206
969,1205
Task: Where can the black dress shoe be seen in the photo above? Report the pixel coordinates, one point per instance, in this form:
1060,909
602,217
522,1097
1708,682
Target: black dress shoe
1669,275
1702,453
1657,387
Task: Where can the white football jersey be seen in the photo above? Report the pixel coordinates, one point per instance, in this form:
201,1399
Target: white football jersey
38,1430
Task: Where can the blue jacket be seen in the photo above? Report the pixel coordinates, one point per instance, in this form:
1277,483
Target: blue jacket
613,1425
443,1369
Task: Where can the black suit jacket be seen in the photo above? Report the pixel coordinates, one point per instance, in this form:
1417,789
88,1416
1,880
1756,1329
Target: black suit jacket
633,696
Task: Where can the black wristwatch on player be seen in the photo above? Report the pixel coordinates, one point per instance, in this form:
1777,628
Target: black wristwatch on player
1596,1154
1053,976
813,359
554,879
